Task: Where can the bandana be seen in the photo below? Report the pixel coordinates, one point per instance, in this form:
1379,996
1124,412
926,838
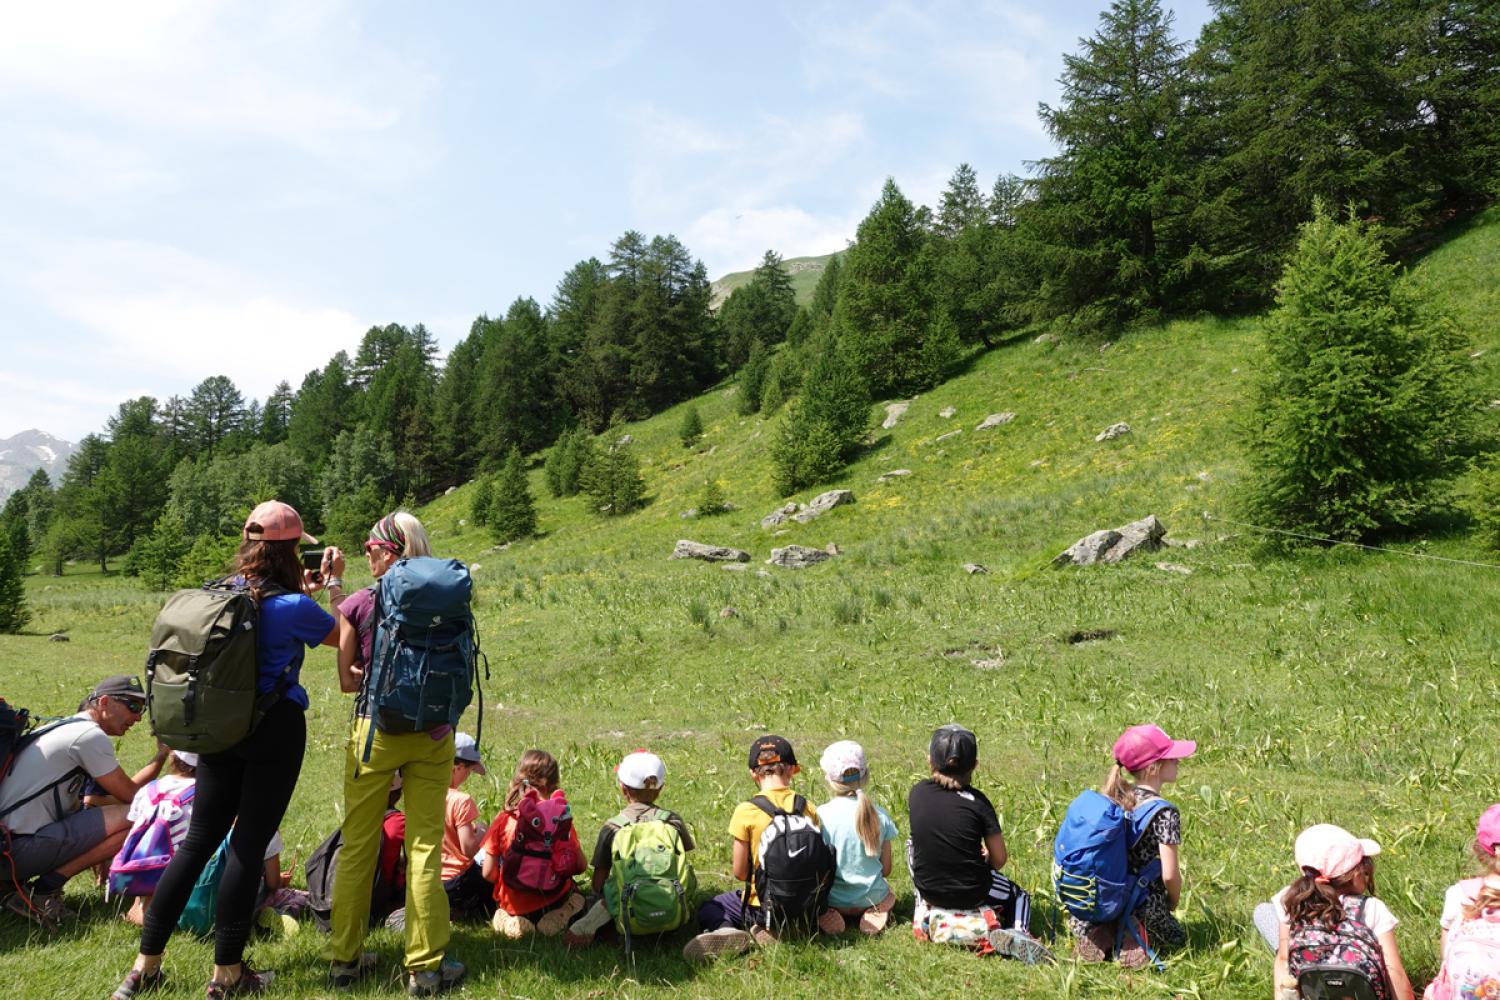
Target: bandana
388,533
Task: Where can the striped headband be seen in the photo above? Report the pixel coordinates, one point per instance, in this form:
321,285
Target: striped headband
389,533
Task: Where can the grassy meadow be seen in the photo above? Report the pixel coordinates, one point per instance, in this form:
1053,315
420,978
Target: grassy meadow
1330,685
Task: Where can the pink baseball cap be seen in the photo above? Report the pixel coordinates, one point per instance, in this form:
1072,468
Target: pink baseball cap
274,521
844,762
1488,833
1142,745
1331,851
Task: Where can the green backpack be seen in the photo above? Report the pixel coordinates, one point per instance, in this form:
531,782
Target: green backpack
650,879
201,670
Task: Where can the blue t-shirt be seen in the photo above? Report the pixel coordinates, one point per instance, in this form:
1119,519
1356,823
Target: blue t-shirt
857,882
290,624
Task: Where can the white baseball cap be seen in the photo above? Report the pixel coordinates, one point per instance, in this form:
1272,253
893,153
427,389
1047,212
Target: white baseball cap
187,757
466,750
637,767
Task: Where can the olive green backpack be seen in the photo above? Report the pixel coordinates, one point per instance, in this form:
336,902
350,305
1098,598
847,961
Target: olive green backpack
201,670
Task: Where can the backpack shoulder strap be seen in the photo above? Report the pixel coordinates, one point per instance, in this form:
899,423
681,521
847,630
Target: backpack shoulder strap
26,741
766,806
799,806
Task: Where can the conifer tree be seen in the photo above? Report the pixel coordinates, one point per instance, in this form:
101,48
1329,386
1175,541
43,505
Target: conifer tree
822,429
612,479
156,558
566,460
513,512
1363,399
752,379
13,611
482,501
691,427
711,501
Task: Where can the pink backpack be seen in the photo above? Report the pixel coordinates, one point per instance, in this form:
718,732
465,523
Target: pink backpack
540,857
137,869
1471,960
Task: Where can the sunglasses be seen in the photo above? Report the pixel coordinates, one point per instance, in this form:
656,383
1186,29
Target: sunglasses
372,544
132,706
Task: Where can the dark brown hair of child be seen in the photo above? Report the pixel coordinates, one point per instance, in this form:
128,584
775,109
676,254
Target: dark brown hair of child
772,770
952,782
646,795
1309,901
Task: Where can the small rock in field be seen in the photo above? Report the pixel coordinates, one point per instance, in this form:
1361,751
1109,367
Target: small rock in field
1182,543
1204,476
463,522
1113,431
944,437
1046,338
58,637
991,663
893,414
798,557
822,504
1035,463
893,474
1167,567
690,512
948,412
728,613
625,439
763,572
832,549
995,420
1495,404
1106,346
975,569
449,491
710,553
779,515
474,567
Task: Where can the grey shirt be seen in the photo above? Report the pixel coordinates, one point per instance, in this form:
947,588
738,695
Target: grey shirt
48,759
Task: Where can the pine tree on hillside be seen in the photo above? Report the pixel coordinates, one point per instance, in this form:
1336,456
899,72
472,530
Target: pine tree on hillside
482,501
13,611
612,480
1111,201
565,462
157,557
822,429
883,312
962,206
711,502
518,403
752,379
14,525
513,512
1364,399
691,427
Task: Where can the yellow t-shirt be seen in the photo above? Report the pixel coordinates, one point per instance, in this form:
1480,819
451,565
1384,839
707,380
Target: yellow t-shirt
750,821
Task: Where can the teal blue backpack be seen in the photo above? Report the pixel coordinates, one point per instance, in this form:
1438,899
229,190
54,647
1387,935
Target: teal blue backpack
198,915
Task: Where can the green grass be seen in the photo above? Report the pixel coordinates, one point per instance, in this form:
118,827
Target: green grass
1338,685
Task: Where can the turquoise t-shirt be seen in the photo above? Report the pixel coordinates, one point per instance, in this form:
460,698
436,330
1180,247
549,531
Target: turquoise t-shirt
857,883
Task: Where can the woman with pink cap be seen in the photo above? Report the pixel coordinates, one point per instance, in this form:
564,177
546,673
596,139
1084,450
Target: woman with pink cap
248,786
1330,915
1149,757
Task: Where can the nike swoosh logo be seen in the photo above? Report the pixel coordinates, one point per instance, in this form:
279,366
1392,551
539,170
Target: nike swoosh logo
793,854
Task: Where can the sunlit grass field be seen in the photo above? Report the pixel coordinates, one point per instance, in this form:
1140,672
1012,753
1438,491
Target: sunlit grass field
1326,685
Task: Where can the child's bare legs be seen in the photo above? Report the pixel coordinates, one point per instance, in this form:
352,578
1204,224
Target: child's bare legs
137,912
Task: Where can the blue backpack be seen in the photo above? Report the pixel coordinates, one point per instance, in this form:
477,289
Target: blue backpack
198,915
424,650
1090,862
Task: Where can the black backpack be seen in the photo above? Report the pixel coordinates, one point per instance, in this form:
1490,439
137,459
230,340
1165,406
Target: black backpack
16,734
794,871
320,868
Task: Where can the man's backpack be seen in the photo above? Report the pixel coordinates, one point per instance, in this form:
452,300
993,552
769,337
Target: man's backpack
148,848
1471,959
1338,963
424,648
795,867
201,671
650,877
198,915
540,857
1091,862
16,734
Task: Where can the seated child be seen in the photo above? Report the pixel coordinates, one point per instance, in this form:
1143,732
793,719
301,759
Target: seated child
732,922
167,791
469,895
1331,913
957,849
1150,757
534,890
1470,921
641,776
860,833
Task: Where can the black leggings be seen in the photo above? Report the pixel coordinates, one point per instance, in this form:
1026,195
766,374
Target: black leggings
251,781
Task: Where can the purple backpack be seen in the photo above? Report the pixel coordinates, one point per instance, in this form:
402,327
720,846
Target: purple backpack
1337,962
148,847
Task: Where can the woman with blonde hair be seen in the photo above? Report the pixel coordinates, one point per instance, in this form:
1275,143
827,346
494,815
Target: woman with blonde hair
425,761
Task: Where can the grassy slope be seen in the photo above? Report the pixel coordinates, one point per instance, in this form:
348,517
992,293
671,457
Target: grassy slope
1342,686
805,272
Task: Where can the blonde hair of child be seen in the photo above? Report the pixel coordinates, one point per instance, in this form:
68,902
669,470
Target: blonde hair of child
1118,788
866,819
536,769
1489,896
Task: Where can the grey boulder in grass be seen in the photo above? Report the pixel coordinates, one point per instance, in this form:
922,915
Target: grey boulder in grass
709,553
1114,544
800,556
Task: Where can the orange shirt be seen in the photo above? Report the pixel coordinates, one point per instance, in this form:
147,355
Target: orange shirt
460,811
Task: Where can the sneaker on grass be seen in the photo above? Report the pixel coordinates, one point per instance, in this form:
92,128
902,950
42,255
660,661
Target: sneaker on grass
346,974
1012,943
249,983
43,908
711,944
136,983
431,982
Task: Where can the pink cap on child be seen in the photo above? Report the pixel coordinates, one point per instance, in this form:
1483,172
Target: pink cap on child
1488,833
1139,746
1332,851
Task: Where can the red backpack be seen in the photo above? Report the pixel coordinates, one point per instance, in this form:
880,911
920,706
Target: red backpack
1339,963
540,857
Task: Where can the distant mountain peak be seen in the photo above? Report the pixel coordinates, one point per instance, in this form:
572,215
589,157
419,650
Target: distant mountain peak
23,453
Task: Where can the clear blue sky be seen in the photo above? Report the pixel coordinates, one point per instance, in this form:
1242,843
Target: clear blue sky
190,188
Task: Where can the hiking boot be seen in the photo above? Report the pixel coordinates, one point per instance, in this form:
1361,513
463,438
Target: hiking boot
42,908
831,922
346,974
431,982
137,982
763,936
250,982
1011,942
710,945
